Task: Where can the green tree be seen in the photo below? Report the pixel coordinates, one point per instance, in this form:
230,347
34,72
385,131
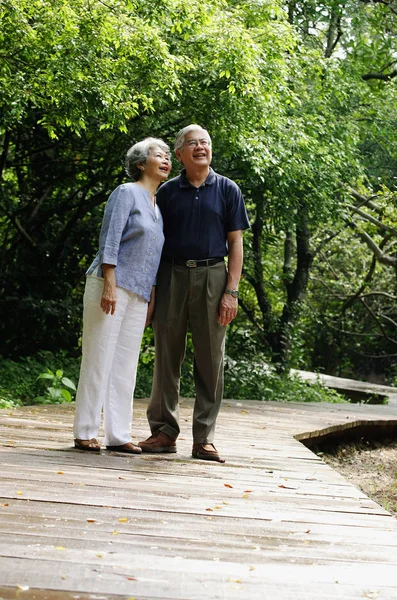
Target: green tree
80,81
325,145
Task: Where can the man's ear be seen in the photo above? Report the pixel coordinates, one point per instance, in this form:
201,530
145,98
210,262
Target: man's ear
178,155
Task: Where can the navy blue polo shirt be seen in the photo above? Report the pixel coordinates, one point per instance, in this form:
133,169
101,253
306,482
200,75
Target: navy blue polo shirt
197,220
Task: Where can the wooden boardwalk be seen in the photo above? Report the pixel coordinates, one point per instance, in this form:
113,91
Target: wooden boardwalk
274,522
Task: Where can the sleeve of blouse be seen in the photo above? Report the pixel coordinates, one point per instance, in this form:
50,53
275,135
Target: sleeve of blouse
117,211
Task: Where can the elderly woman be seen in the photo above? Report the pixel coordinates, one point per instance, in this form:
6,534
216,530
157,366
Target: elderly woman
119,301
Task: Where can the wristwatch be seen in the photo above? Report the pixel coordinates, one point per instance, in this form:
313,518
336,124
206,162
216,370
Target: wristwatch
233,293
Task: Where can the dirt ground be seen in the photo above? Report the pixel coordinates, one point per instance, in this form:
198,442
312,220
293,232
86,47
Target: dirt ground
370,466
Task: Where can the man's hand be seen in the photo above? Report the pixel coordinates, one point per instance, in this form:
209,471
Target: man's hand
149,315
150,307
228,307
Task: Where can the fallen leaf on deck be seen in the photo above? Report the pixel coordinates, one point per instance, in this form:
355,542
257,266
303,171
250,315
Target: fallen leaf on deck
123,520
23,588
91,520
131,578
233,580
227,485
121,477
247,491
60,473
210,509
115,532
19,493
371,594
287,487
6,504
243,412
59,548
245,496
99,555
252,568
308,531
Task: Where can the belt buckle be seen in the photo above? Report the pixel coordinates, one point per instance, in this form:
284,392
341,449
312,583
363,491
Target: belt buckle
191,263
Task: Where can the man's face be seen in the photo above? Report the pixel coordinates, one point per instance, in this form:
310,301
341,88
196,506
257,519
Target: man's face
196,150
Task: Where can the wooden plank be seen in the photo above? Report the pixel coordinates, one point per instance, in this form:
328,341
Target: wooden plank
274,521
354,388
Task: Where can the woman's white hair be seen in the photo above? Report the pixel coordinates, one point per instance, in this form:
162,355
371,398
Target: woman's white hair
180,136
138,154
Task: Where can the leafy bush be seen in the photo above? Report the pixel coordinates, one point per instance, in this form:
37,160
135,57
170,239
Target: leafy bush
254,379
20,383
250,378
58,391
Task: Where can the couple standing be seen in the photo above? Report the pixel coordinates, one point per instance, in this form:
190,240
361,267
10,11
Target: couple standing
202,215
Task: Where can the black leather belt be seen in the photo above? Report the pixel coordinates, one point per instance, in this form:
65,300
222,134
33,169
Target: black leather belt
194,263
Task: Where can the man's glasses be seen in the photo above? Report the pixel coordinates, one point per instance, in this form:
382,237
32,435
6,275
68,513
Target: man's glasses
195,143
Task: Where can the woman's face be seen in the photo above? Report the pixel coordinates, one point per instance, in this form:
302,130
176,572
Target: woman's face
158,164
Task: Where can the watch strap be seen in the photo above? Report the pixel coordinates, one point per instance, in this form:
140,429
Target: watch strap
233,293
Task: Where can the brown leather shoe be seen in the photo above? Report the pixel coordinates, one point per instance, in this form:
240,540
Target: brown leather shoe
158,442
88,445
128,448
206,452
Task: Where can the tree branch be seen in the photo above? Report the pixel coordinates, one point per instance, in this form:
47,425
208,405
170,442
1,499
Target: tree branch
379,76
385,294
372,219
384,259
380,326
250,314
364,201
4,153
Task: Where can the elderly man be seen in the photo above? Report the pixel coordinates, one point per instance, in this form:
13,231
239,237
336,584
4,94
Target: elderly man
204,215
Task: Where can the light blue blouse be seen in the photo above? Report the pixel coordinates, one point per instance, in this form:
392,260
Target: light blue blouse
131,238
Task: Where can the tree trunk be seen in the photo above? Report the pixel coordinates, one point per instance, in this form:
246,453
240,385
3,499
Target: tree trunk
296,291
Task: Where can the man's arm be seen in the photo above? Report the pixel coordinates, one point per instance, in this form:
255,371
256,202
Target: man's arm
150,306
228,305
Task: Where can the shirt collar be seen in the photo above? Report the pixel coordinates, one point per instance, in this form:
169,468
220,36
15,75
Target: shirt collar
184,182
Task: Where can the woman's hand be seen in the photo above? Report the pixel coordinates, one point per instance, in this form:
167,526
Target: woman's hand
108,300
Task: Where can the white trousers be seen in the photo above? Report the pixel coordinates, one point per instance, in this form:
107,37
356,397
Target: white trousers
111,345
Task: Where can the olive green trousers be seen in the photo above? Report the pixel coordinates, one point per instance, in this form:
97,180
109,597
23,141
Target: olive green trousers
188,295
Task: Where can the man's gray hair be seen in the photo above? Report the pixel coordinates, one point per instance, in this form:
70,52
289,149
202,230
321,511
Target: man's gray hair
138,154
180,136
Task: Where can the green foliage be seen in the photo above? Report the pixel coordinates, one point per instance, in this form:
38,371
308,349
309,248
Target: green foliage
255,380
20,383
58,390
349,326
296,98
30,380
